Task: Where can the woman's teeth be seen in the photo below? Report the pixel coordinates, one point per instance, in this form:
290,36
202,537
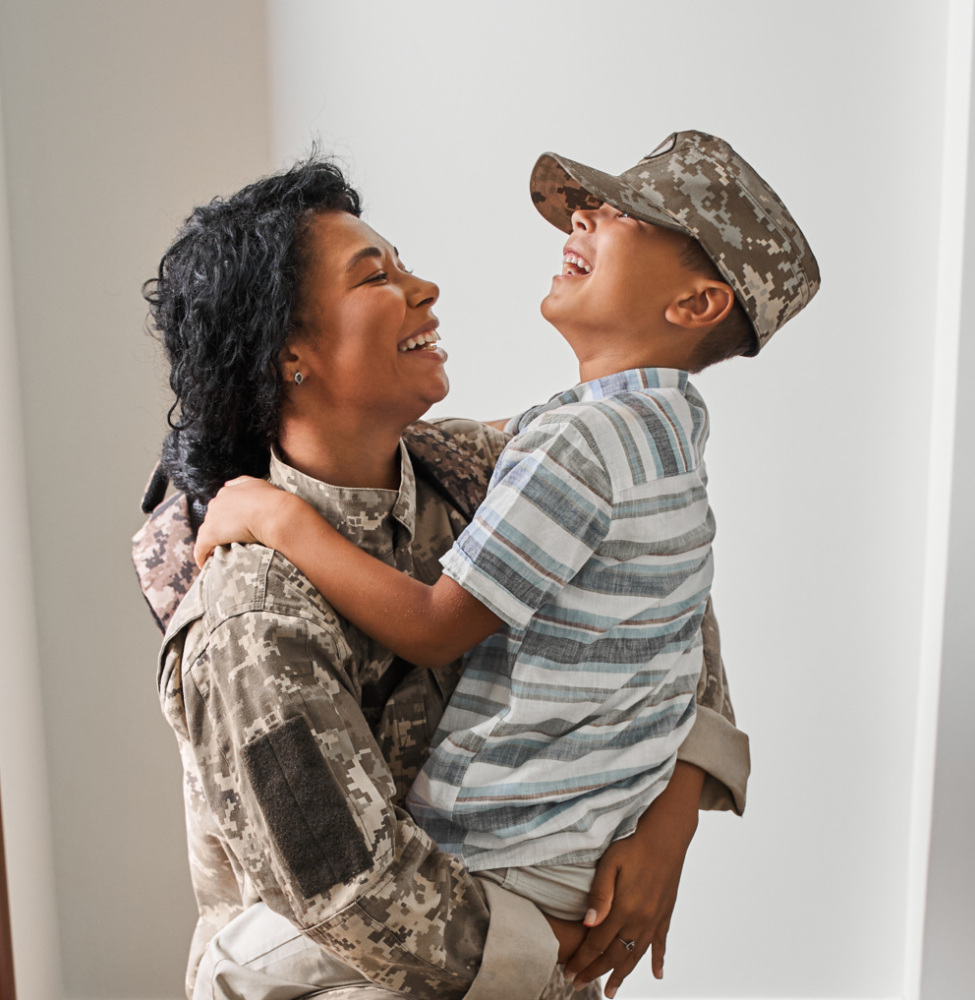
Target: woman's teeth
430,337
574,261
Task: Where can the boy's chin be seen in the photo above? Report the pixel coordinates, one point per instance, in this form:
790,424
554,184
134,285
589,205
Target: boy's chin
551,308
556,312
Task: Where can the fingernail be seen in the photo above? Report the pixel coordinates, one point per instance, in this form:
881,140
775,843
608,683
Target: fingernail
590,917
610,992
569,976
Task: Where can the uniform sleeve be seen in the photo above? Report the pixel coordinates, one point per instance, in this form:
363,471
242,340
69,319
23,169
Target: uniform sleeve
547,510
302,796
714,743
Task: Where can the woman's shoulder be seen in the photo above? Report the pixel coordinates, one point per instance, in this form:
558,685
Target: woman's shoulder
482,440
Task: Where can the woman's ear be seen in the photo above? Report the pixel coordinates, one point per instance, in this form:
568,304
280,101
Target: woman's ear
290,362
709,303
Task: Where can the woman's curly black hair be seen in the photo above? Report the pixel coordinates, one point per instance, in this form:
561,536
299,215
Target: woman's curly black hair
222,304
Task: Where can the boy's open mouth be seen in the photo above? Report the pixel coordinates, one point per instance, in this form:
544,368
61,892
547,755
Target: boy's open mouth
573,265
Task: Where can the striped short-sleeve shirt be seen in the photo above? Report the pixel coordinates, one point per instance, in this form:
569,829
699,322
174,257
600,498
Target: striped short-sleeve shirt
594,547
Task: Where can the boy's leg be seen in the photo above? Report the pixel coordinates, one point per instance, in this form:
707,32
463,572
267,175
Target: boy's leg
559,890
260,955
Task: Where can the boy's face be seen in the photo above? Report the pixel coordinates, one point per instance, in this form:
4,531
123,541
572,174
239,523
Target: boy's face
619,274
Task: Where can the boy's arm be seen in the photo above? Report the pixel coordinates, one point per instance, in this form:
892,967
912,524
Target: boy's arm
429,626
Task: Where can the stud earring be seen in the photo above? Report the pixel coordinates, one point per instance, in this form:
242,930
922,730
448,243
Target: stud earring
299,378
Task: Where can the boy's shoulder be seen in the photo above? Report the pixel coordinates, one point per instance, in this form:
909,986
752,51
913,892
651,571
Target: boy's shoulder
649,432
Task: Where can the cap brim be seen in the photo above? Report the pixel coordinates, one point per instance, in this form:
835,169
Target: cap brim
560,186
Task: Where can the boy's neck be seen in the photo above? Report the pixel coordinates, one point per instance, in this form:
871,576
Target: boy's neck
608,349
608,359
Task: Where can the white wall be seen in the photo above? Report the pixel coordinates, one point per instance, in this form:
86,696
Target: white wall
950,925
118,118
27,827
818,458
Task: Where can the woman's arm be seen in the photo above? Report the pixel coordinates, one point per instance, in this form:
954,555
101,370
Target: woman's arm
286,768
635,888
429,626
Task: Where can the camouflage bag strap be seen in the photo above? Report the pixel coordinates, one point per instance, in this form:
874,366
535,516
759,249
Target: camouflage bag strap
162,549
456,472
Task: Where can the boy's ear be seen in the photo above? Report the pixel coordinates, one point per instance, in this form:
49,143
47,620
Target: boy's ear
707,305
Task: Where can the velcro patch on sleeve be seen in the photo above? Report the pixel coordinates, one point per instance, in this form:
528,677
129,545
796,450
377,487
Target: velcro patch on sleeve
307,812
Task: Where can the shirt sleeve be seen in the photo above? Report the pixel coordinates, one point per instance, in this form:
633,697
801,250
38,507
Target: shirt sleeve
715,744
547,510
303,799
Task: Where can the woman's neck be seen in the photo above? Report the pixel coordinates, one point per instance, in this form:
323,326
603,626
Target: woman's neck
365,455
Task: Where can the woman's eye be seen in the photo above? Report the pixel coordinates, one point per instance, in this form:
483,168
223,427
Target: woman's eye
378,276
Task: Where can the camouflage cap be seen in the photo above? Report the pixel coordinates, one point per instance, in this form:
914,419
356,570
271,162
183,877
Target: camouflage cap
697,184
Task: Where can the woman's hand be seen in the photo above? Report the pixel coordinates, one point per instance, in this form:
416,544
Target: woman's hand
569,934
635,888
245,510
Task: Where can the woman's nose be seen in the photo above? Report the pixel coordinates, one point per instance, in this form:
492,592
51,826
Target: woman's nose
424,292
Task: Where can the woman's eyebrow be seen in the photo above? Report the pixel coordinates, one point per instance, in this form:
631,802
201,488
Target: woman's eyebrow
361,255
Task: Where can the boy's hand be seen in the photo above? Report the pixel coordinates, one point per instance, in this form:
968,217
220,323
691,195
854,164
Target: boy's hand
635,888
244,510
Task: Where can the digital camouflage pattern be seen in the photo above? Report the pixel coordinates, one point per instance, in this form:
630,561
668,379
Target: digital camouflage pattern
300,736
162,549
697,184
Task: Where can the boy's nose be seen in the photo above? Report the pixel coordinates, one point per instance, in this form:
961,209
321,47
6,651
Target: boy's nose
582,218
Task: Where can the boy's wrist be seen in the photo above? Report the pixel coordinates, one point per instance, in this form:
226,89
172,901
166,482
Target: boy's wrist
281,523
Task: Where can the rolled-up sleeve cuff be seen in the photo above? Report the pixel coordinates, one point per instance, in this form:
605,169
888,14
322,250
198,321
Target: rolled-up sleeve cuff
520,951
721,751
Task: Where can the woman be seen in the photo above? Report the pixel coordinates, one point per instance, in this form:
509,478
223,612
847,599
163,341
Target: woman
302,349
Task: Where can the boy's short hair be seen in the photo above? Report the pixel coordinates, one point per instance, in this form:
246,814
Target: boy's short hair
734,336
696,184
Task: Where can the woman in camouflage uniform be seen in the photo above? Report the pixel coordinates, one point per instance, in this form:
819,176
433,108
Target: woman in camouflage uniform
302,350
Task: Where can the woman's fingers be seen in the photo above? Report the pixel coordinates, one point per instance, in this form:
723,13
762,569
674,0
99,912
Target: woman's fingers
601,894
659,946
617,959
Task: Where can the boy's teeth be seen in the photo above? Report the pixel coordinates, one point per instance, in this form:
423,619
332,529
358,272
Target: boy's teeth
570,258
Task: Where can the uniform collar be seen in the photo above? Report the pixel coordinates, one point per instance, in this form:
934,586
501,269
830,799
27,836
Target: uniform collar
367,517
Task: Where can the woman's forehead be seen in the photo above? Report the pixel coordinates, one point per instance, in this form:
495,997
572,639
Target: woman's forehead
341,239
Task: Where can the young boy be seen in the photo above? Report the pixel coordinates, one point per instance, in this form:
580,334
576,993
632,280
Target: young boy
587,569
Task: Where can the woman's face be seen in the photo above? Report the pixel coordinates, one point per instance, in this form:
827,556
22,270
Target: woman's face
365,340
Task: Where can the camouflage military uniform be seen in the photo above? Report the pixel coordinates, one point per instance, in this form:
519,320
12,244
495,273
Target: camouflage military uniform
300,736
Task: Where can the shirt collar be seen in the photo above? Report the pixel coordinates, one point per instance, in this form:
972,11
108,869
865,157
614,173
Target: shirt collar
631,380
365,516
